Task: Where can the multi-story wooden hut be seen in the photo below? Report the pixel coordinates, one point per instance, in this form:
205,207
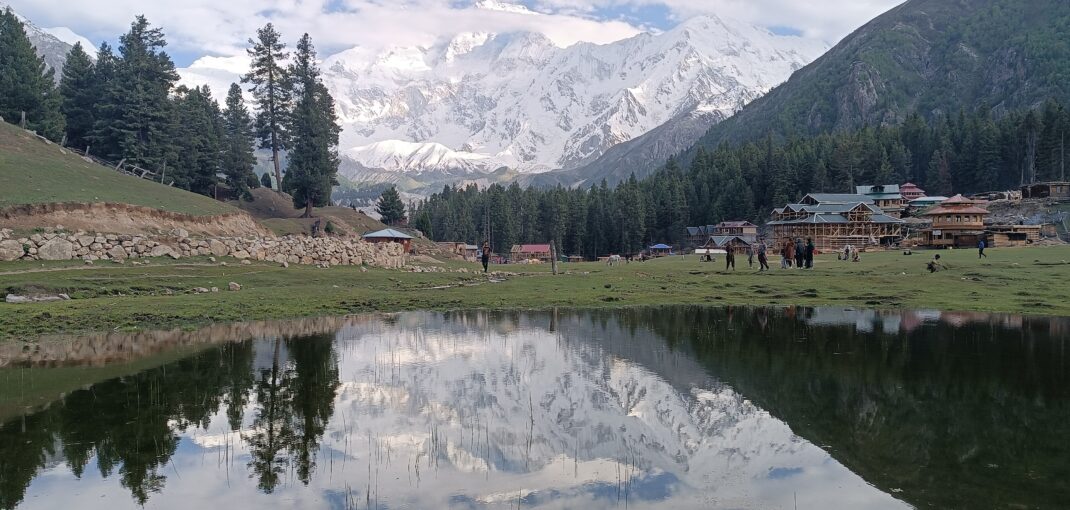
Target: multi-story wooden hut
957,221
834,220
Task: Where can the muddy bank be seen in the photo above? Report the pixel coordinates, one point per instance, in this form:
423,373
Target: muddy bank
127,219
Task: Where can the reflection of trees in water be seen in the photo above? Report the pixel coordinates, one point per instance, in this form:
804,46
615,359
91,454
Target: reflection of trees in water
294,402
130,424
969,416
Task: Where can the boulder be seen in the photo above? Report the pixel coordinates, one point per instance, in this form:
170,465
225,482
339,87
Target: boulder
234,286
162,251
218,248
117,253
180,233
241,255
10,249
56,249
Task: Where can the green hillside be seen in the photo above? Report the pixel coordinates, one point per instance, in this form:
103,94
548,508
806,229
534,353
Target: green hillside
927,56
33,172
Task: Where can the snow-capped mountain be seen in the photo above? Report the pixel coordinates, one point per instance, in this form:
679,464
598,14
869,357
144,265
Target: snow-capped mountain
53,44
480,101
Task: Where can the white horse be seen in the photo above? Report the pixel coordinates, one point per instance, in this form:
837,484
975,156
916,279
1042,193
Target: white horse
614,260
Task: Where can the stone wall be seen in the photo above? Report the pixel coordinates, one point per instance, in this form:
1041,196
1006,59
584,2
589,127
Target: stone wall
321,251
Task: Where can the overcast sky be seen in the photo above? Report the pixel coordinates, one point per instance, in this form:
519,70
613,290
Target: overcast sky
221,27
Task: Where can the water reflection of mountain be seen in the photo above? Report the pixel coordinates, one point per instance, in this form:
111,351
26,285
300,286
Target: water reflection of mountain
681,407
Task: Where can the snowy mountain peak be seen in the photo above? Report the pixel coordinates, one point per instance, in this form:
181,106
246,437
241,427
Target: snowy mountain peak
485,101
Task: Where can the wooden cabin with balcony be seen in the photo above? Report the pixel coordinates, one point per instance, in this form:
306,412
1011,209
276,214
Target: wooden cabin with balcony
957,221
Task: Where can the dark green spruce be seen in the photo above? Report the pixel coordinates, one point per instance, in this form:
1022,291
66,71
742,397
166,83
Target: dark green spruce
135,105
390,207
76,86
313,128
197,141
26,83
238,157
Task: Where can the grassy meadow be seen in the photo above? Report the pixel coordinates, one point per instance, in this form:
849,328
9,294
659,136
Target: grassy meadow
34,172
159,295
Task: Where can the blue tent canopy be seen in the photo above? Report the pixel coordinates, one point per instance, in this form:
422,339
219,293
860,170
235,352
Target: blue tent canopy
661,247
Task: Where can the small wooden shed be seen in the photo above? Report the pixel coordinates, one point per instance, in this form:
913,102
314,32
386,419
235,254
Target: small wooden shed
389,235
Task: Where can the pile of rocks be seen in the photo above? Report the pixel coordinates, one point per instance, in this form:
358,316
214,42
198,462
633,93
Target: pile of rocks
320,251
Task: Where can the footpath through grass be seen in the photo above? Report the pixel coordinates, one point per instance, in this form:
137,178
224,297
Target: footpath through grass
111,296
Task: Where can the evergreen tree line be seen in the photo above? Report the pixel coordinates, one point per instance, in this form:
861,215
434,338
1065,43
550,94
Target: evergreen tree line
127,106
963,153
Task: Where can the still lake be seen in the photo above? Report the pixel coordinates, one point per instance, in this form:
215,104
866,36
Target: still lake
678,407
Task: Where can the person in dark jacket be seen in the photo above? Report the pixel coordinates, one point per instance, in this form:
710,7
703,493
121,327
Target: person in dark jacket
810,253
981,249
730,258
763,258
486,256
800,253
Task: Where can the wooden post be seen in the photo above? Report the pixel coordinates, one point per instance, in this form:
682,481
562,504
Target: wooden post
22,122
87,150
553,256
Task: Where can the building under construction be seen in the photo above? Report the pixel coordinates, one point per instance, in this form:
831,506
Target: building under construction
835,220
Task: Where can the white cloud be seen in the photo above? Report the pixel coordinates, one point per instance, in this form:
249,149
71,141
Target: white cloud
222,27
828,20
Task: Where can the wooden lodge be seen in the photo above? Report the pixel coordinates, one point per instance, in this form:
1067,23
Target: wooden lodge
528,252
389,235
957,221
834,220
700,236
1054,190
739,244
911,191
885,196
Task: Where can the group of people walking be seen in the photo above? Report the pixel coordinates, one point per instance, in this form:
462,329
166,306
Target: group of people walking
797,254
792,254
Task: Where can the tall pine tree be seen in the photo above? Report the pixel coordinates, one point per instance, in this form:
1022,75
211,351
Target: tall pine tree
26,83
313,159
272,92
238,157
79,99
135,104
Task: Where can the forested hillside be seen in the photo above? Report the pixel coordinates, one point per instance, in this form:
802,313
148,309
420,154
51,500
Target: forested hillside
932,57
961,153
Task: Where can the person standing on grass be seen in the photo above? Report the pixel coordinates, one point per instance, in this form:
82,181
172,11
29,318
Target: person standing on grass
800,253
730,258
486,255
787,254
750,257
981,249
810,253
763,259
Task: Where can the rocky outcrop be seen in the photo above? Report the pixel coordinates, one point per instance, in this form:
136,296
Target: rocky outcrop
129,219
318,251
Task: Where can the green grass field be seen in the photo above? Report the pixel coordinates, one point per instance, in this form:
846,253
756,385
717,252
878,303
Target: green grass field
110,296
33,172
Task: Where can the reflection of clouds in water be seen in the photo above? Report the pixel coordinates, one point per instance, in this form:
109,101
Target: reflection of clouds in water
469,411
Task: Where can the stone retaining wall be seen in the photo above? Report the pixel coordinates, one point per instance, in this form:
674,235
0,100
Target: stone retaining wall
305,250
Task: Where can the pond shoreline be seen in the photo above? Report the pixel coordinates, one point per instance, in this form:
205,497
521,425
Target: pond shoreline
160,295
